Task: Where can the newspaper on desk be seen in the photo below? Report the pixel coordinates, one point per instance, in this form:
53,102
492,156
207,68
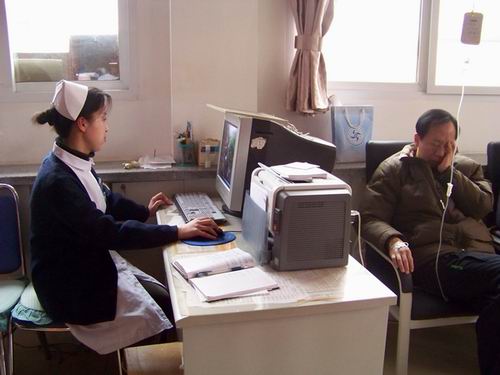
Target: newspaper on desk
294,287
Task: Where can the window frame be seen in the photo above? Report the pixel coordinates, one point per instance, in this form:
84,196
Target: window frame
432,88
125,87
421,70
426,65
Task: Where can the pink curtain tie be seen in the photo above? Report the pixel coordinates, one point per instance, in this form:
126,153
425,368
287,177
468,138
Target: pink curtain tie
308,42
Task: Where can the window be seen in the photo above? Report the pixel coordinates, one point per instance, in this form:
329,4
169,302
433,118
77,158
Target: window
373,41
452,63
391,41
81,40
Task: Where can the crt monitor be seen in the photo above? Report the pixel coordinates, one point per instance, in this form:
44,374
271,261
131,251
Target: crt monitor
232,161
248,140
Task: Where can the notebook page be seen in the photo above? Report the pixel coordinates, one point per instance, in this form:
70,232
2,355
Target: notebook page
234,284
213,263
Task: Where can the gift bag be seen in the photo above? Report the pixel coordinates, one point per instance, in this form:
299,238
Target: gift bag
351,129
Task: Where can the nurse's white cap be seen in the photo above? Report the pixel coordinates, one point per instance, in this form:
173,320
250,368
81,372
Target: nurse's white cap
69,98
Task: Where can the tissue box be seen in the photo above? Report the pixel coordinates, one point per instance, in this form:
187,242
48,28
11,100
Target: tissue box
208,152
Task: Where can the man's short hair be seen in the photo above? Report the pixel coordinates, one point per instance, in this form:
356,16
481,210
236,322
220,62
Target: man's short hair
434,117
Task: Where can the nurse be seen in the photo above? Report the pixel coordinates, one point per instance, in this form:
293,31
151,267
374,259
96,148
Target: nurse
77,223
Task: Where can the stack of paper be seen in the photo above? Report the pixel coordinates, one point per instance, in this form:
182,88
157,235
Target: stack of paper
298,171
156,161
224,274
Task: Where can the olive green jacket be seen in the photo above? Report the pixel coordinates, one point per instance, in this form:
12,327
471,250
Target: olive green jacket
406,197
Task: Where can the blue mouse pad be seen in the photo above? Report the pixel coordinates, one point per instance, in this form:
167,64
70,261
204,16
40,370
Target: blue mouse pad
224,237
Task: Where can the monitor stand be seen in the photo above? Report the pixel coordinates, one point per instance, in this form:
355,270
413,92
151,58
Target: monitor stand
226,210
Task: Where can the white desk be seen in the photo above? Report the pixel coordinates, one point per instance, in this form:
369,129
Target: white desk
339,328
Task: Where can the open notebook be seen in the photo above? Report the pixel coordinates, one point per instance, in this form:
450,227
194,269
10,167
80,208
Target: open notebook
225,274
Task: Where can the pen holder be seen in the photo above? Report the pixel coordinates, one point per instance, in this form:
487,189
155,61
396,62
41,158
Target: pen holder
186,153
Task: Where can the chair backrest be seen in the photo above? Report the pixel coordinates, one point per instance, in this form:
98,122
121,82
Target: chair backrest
493,173
378,151
11,252
493,164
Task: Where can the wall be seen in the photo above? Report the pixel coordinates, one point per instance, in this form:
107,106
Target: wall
232,53
214,60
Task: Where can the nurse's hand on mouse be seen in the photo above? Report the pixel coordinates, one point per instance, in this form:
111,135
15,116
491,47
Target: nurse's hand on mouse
156,202
202,226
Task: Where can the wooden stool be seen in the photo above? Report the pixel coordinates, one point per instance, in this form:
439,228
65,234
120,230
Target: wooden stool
161,359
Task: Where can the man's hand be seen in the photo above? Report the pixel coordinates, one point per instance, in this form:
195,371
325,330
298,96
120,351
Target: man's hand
158,200
400,255
203,227
449,149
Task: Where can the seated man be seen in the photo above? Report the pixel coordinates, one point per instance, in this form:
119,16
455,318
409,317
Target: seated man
402,212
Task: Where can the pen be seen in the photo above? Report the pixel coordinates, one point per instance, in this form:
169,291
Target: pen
209,273
203,273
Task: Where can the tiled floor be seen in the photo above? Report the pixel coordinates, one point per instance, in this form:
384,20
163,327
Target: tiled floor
444,350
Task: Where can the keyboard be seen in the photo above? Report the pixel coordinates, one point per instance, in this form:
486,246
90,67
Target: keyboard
193,205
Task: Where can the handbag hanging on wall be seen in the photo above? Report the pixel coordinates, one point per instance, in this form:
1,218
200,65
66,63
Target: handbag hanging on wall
351,128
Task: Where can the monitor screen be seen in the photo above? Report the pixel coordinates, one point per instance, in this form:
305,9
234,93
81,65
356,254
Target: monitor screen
232,167
227,152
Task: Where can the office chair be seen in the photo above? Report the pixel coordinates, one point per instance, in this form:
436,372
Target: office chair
41,326
416,308
493,174
13,283
492,167
12,265
12,268
36,319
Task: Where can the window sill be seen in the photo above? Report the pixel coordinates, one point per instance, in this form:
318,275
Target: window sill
111,172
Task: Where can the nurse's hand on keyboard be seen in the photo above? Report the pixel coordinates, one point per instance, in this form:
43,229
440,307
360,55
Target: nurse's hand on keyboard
156,202
202,227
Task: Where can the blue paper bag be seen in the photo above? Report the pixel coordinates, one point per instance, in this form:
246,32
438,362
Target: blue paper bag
351,128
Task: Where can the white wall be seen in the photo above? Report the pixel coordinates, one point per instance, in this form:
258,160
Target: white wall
214,60
233,53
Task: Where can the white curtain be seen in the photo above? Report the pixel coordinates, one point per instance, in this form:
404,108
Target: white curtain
306,92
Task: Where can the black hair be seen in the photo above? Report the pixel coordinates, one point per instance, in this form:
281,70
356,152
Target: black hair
434,117
96,100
